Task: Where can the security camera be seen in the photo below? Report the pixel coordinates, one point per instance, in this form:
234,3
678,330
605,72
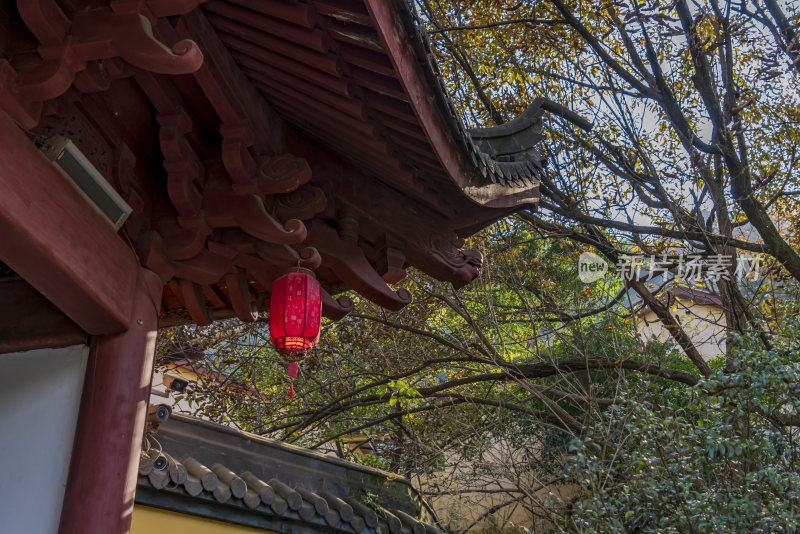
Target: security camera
158,413
172,382
160,463
152,460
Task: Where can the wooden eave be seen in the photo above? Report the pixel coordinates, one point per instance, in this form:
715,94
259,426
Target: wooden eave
249,137
359,78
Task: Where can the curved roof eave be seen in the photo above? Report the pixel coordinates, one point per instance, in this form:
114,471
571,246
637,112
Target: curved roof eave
487,181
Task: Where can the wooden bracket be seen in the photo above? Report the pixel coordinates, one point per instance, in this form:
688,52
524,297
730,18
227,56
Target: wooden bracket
103,33
347,261
391,258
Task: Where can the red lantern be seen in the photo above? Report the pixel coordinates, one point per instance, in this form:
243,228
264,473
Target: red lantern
295,310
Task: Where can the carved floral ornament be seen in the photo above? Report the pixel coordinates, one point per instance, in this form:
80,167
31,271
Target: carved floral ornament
465,264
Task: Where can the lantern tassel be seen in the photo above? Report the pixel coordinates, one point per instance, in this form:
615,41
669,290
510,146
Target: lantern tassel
291,389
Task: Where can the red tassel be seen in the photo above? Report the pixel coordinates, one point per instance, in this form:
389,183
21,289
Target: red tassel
291,389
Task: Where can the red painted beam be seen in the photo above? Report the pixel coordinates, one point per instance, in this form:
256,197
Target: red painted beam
58,242
29,321
105,455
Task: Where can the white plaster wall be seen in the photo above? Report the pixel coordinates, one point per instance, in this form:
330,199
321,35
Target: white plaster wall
705,326
40,393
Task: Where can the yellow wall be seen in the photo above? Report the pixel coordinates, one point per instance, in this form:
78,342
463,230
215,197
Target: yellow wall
147,520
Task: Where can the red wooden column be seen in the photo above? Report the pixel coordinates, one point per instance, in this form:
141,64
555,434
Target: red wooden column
105,457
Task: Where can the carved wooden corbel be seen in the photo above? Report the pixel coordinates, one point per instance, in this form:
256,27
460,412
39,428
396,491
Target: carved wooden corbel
98,75
309,258
123,163
287,257
282,256
268,175
282,174
303,203
391,258
225,208
347,221
102,33
99,34
185,171
181,243
337,308
461,266
237,158
347,261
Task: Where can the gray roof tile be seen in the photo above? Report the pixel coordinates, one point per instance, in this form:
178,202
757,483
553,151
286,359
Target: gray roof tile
273,498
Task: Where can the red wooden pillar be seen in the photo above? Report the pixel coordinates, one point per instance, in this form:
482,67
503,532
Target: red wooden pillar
105,457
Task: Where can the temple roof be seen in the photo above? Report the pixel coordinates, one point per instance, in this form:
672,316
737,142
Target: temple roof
206,469
253,136
342,75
